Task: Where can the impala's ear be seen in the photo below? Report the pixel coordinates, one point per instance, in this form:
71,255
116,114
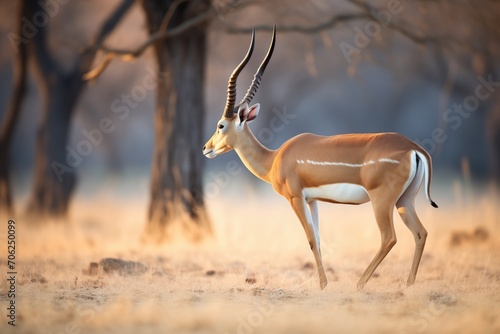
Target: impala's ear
247,114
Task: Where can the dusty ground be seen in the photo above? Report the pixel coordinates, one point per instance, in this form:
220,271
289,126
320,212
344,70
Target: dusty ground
257,275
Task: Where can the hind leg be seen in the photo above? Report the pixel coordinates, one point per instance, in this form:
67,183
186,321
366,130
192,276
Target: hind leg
410,218
406,209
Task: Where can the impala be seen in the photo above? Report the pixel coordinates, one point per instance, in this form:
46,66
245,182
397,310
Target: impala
384,168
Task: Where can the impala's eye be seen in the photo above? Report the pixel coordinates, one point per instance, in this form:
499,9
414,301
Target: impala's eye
220,126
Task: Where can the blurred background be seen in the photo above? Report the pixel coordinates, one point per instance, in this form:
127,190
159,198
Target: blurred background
427,69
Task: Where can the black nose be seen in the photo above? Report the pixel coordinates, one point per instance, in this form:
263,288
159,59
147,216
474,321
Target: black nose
204,147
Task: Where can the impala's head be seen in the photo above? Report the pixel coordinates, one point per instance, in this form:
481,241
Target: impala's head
235,117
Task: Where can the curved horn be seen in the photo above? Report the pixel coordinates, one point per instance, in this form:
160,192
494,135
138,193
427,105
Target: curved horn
231,85
258,76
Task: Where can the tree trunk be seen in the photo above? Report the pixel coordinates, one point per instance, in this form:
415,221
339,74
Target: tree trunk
176,186
12,116
55,178
52,190
493,137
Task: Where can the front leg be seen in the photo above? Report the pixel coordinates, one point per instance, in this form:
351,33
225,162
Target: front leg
312,233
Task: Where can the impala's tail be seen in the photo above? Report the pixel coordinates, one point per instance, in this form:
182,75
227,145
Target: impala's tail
427,164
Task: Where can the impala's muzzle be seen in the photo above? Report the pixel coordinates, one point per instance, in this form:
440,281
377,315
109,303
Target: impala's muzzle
209,153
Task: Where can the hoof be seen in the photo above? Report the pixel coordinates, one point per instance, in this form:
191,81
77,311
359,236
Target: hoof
360,286
410,282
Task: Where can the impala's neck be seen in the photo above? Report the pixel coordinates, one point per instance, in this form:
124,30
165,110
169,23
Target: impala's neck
256,157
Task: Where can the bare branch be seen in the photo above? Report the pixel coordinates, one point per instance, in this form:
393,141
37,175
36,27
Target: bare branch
113,20
335,20
364,14
86,59
329,24
418,39
127,55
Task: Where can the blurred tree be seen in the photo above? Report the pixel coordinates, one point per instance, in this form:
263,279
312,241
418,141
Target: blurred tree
176,180
178,31
12,115
60,89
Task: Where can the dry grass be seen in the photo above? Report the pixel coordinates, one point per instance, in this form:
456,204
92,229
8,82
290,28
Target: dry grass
256,275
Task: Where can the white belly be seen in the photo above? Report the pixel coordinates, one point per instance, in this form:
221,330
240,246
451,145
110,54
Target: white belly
338,192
